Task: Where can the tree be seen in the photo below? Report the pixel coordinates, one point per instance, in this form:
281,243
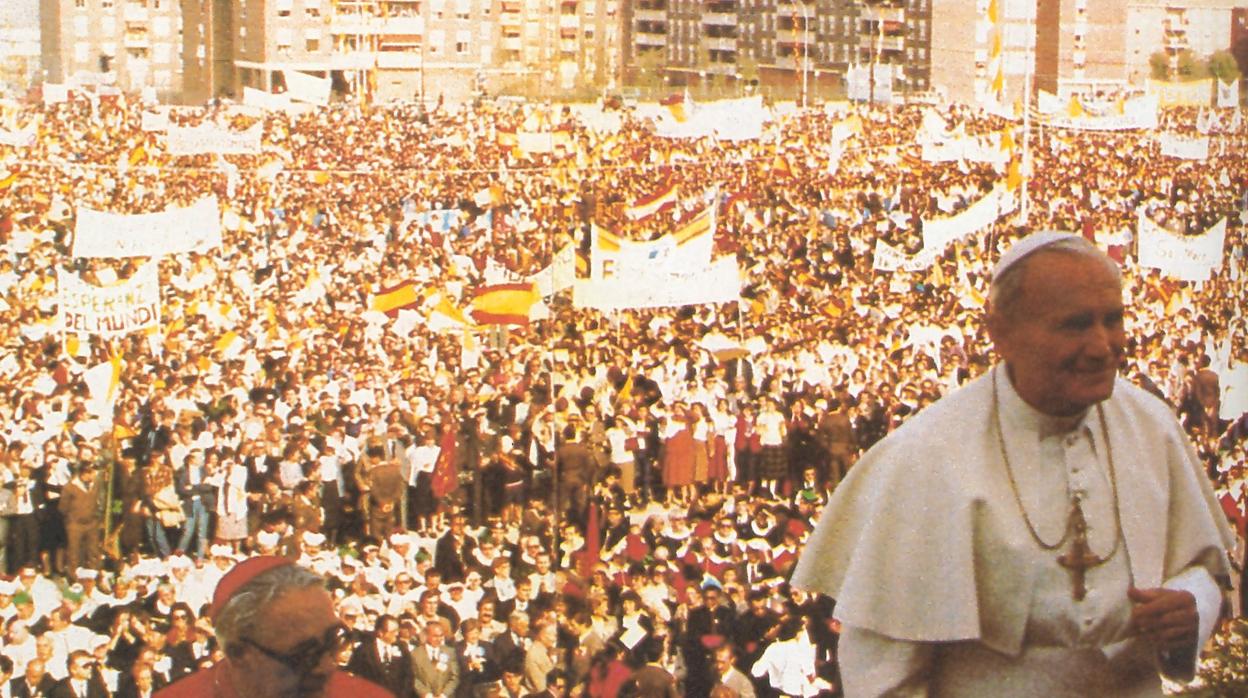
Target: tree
1190,66
1159,64
1222,65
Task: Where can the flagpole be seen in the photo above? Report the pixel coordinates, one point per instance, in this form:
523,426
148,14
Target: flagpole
1023,204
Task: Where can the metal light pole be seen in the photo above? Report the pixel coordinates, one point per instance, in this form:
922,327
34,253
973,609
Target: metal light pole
805,53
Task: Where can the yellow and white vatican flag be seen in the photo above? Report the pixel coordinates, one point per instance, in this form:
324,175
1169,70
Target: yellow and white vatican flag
103,382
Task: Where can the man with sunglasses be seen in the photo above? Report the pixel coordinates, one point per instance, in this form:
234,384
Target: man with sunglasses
276,623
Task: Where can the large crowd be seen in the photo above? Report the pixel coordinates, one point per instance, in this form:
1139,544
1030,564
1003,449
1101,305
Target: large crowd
590,502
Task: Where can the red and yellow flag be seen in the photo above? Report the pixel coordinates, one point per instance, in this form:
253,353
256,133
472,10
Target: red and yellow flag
395,298
504,304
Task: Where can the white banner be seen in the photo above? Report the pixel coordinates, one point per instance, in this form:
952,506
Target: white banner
54,93
1189,258
938,233
212,139
718,283
133,304
985,149
18,139
265,100
1193,93
1228,94
1177,146
155,121
559,275
727,120
307,88
1138,113
889,258
196,228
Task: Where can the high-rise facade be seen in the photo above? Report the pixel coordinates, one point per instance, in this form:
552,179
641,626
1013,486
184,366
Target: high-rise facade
132,44
791,45
985,51
404,49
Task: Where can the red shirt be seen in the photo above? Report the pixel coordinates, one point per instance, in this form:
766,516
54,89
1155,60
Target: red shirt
214,682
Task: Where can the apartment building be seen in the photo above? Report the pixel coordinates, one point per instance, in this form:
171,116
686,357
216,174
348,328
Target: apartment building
403,49
132,44
793,46
20,58
983,50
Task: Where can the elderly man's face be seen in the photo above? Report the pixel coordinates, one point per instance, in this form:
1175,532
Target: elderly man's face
1064,340
297,622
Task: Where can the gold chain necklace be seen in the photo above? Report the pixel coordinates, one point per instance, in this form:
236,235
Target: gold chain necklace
1074,521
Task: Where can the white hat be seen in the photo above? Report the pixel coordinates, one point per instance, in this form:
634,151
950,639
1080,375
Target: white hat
1023,248
398,538
85,573
268,539
180,562
313,538
220,551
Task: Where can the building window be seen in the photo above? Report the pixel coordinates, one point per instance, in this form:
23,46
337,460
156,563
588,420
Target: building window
80,4
312,45
106,4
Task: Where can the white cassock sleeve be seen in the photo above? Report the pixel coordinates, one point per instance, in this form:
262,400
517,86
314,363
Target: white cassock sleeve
1199,583
877,665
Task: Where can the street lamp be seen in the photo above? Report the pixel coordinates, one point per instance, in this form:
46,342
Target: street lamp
805,52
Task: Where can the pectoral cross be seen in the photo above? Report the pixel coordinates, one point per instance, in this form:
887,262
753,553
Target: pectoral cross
1080,558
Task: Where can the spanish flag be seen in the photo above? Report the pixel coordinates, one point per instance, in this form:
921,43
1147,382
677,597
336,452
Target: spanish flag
504,304
649,205
395,298
677,104
700,225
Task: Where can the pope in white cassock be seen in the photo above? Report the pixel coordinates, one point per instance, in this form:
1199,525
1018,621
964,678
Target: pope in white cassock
1046,530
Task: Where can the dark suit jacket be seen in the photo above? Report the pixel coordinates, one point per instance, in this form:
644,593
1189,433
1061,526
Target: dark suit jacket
576,464
18,688
207,493
395,675
64,689
427,678
505,652
80,507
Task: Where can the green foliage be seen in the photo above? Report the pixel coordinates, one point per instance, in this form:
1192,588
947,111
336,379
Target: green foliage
1222,66
1159,64
1190,66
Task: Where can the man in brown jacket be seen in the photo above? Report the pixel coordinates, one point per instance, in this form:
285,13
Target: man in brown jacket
80,505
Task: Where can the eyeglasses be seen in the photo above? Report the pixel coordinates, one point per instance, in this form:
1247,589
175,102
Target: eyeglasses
306,655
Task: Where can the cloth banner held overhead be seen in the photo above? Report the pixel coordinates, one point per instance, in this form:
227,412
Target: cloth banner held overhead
938,233
18,139
1228,94
1184,148
559,275
1137,113
1189,258
133,304
266,100
212,140
718,283
196,228
307,88
1192,93
889,258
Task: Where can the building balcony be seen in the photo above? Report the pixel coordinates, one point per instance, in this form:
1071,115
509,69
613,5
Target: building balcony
513,43
568,46
399,60
136,41
355,24
569,22
134,13
650,15
873,42
510,19
651,39
404,25
349,59
884,14
723,19
795,36
720,44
